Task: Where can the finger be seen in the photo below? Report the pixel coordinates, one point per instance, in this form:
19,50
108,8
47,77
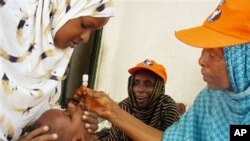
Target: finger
83,88
92,132
46,137
78,92
91,114
72,104
38,134
89,119
91,126
81,105
88,91
76,96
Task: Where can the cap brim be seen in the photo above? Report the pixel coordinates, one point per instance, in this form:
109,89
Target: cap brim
135,69
203,37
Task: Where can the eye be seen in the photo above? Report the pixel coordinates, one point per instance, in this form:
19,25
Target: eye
149,84
136,83
214,55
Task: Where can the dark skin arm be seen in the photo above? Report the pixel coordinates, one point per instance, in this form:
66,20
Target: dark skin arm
109,110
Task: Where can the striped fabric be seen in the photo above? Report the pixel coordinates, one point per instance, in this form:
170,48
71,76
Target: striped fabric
161,113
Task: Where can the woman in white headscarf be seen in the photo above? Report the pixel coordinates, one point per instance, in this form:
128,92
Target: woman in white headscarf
37,38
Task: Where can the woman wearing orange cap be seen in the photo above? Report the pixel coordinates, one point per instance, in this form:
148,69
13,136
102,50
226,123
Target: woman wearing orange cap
147,100
225,66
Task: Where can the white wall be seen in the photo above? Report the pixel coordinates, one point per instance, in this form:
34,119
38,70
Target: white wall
145,29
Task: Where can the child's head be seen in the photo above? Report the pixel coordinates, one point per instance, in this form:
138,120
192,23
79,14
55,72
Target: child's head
67,124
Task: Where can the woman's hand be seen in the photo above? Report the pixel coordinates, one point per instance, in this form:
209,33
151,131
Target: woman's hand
100,103
93,103
91,121
39,134
90,118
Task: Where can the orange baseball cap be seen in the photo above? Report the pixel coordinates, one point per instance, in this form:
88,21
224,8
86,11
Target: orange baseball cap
150,65
228,25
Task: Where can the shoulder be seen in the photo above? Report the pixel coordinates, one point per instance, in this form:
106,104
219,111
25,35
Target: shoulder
124,101
167,99
125,104
168,103
206,94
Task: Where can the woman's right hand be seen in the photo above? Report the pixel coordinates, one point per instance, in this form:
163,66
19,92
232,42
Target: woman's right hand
100,103
39,134
93,103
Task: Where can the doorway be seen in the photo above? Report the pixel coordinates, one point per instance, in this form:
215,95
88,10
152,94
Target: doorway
84,60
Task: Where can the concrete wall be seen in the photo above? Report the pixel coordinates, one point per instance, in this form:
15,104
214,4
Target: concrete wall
145,29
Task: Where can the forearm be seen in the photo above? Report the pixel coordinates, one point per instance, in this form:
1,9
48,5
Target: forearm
134,128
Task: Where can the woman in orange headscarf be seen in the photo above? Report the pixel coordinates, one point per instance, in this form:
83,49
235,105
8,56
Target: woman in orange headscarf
146,99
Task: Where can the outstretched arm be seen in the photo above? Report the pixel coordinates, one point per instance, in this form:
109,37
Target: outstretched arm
104,106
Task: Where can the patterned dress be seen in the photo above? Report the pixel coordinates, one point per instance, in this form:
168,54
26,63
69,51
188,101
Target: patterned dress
31,67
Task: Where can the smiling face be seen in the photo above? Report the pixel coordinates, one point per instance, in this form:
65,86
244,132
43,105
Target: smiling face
143,86
67,124
213,68
78,30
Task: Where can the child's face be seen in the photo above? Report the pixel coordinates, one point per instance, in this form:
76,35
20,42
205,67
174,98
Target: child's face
78,30
67,124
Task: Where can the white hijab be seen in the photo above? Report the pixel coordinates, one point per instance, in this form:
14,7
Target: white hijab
31,67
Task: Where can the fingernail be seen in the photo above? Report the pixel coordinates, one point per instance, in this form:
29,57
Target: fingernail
54,136
87,125
86,112
84,117
45,128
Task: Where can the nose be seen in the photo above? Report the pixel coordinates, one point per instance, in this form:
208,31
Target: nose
85,36
201,60
139,88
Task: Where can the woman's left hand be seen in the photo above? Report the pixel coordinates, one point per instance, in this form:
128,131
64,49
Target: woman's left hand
39,134
91,121
90,118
